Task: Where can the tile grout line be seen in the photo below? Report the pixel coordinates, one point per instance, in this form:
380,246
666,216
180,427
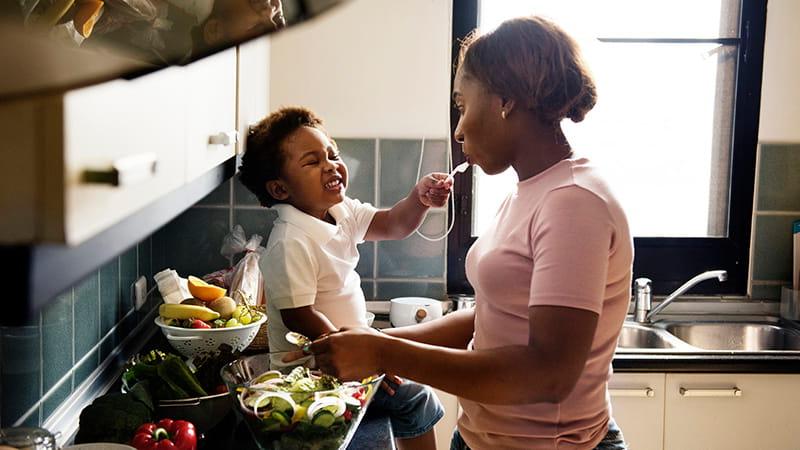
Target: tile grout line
377,187
41,363
69,376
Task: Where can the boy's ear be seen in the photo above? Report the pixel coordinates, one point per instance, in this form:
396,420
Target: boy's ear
277,190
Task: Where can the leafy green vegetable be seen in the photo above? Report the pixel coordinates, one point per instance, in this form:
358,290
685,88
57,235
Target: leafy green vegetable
112,418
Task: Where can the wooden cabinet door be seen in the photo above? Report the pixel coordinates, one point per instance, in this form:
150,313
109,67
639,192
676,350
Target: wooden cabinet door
731,411
637,402
124,122
210,102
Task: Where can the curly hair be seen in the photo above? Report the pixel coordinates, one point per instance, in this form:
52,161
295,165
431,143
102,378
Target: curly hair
263,159
534,62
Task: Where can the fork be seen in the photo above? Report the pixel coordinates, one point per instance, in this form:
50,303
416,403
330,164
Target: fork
459,168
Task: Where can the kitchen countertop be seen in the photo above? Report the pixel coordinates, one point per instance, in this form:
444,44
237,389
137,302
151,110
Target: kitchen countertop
696,362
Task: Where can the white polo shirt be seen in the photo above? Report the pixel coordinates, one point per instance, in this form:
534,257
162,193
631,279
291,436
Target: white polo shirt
308,261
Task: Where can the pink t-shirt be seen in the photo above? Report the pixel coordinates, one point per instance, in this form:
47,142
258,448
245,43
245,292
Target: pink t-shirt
561,240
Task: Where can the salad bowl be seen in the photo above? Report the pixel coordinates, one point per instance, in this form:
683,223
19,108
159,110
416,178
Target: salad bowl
301,410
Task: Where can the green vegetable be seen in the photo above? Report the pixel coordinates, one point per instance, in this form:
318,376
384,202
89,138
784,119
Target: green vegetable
178,376
167,374
112,418
323,418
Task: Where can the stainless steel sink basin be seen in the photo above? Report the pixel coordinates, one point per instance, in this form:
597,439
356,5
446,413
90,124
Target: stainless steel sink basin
733,336
634,336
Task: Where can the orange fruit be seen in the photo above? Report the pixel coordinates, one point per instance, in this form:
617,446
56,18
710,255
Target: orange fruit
204,291
87,13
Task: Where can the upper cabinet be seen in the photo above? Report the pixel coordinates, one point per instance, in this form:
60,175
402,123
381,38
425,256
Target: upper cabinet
92,171
93,156
210,102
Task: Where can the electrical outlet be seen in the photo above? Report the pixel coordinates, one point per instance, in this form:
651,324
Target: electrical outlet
140,292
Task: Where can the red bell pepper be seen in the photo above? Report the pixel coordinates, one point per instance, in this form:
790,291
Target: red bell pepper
166,434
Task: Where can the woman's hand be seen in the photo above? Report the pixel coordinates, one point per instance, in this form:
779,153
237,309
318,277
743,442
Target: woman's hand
351,354
434,189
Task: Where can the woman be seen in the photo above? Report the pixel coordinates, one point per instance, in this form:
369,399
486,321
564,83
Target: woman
552,275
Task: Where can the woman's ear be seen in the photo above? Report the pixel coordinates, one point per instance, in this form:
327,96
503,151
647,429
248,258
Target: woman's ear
506,106
277,189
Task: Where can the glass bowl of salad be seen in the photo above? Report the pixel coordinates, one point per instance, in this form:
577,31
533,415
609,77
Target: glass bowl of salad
301,410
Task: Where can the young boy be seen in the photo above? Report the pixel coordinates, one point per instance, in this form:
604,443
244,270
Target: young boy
294,167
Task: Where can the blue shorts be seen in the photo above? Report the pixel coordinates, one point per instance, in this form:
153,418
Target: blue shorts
612,441
413,410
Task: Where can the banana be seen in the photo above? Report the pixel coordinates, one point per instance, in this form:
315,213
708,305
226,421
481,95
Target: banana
183,311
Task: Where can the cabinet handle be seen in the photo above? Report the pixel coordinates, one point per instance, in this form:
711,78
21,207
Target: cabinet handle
635,392
223,138
719,392
124,171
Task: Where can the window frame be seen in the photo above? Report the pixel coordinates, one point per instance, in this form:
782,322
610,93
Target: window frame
667,261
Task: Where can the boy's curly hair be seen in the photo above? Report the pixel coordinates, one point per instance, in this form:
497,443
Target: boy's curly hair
263,159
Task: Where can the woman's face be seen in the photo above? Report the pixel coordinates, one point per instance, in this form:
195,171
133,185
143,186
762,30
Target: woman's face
479,125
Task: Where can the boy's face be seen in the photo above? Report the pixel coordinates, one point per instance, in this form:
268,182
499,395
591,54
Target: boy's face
314,176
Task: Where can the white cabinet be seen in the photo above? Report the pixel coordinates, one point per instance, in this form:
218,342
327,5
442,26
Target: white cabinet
637,402
253,101
160,131
103,125
717,411
731,411
444,428
210,108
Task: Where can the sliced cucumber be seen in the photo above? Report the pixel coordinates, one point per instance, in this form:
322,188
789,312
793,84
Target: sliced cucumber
280,417
323,418
282,405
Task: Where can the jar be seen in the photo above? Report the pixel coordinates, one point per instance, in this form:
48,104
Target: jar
28,438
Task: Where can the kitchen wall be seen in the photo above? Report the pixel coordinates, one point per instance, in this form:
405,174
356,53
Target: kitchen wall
777,192
57,354
381,86
377,72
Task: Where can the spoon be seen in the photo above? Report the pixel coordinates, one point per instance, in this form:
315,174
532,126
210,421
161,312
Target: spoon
460,168
299,340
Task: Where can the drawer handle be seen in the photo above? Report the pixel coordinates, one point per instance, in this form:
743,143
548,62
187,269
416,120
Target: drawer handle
223,138
721,392
124,171
643,392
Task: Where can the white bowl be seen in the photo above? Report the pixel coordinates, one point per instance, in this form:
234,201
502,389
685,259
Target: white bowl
404,311
194,341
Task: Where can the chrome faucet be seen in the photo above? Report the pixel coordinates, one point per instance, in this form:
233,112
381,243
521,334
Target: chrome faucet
643,299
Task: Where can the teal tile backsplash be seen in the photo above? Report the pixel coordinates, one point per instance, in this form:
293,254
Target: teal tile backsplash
777,205
399,161
44,362
359,155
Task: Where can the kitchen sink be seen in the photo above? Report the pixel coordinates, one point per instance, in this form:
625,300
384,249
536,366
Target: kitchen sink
736,336
635,336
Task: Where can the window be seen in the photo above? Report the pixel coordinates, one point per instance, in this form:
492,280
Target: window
674,129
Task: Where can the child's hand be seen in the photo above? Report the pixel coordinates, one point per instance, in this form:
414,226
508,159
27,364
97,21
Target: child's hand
434,189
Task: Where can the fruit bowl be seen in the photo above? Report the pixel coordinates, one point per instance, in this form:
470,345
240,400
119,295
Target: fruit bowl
194,341
304,410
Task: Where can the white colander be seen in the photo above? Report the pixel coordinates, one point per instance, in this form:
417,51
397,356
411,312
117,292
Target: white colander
194,341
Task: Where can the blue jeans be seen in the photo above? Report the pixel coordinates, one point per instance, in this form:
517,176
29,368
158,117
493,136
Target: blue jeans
413,410
613,440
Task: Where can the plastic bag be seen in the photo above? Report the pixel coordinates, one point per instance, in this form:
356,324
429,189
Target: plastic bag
243,281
